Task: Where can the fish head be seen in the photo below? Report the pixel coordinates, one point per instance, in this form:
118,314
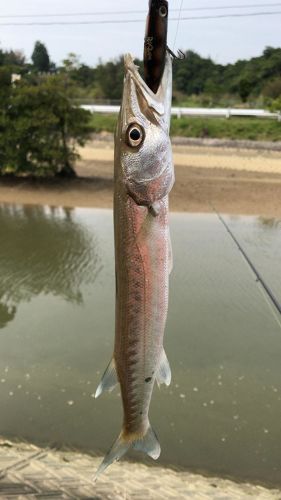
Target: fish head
142,137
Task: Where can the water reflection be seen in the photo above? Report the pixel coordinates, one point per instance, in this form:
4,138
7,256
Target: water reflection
270,222
43,250
221,413
7,314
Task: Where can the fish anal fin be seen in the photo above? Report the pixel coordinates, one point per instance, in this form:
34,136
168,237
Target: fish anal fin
163,375
109,379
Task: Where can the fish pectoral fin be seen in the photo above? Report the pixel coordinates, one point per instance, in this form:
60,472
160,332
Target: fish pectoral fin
109,379
149,444
155,208
163,375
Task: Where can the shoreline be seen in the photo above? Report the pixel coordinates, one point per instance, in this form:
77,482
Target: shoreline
31,470
234,181
195,192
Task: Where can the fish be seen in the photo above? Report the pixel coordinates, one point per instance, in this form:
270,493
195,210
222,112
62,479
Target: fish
143,179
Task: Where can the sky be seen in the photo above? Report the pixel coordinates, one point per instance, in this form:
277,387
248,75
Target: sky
224,39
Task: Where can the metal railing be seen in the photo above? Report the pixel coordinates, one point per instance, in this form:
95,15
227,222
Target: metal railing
207,112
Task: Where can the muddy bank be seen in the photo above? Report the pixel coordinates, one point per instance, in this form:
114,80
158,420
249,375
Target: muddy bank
236,181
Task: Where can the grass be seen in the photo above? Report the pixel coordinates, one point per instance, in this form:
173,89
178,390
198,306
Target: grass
215,128
103,123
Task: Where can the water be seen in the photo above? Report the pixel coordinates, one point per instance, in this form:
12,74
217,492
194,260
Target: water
221,414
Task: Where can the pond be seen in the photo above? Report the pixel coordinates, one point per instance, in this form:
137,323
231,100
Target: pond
222,413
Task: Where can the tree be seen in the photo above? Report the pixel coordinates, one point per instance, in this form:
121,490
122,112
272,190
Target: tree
245,88
72,62
84,76
275,105
272,89
14,58
109,78
192,72
40,129
5,79
40,58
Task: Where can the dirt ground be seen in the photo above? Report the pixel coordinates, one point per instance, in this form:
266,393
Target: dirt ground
236,181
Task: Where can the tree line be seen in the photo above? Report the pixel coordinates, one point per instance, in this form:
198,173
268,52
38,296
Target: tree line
193,76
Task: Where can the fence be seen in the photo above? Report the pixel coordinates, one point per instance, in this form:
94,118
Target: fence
208,112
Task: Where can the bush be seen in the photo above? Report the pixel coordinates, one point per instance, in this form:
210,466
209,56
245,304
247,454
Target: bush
39,129
273,89
275,105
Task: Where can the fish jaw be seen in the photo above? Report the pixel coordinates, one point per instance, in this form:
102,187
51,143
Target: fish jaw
146,170
147,191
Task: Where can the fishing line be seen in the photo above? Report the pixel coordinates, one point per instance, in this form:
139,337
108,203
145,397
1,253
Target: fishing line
178,23
269,302
264,288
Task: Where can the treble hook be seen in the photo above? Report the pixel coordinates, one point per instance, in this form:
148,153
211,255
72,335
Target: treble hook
180,55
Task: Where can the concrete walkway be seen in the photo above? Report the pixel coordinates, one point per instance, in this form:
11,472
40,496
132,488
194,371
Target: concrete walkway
28,472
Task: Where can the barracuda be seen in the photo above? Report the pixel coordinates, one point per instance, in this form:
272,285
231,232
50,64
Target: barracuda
143,178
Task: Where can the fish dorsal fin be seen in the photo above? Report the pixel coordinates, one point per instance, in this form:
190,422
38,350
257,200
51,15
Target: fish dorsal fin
163,375
109,379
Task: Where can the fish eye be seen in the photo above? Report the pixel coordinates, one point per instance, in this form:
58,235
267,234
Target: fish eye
163,11
135,135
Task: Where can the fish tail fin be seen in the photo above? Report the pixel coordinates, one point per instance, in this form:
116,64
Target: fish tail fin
119,448
148,443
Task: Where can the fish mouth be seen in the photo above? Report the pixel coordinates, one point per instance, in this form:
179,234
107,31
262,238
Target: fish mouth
159,100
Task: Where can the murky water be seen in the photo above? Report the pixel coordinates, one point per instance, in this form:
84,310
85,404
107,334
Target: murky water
222,413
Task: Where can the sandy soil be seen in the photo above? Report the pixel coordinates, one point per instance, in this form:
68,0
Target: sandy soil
237,181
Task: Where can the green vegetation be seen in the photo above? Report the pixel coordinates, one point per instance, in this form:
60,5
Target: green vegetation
197,80
233,128
103,123
245,80
222,128
40,121
39,128
40,58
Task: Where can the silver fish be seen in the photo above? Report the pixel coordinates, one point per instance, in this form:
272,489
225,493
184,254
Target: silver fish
143,178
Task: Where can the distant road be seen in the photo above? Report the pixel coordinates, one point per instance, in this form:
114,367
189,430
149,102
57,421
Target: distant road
207,112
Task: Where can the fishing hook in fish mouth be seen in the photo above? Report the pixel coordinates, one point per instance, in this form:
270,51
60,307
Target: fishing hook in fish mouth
180,55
